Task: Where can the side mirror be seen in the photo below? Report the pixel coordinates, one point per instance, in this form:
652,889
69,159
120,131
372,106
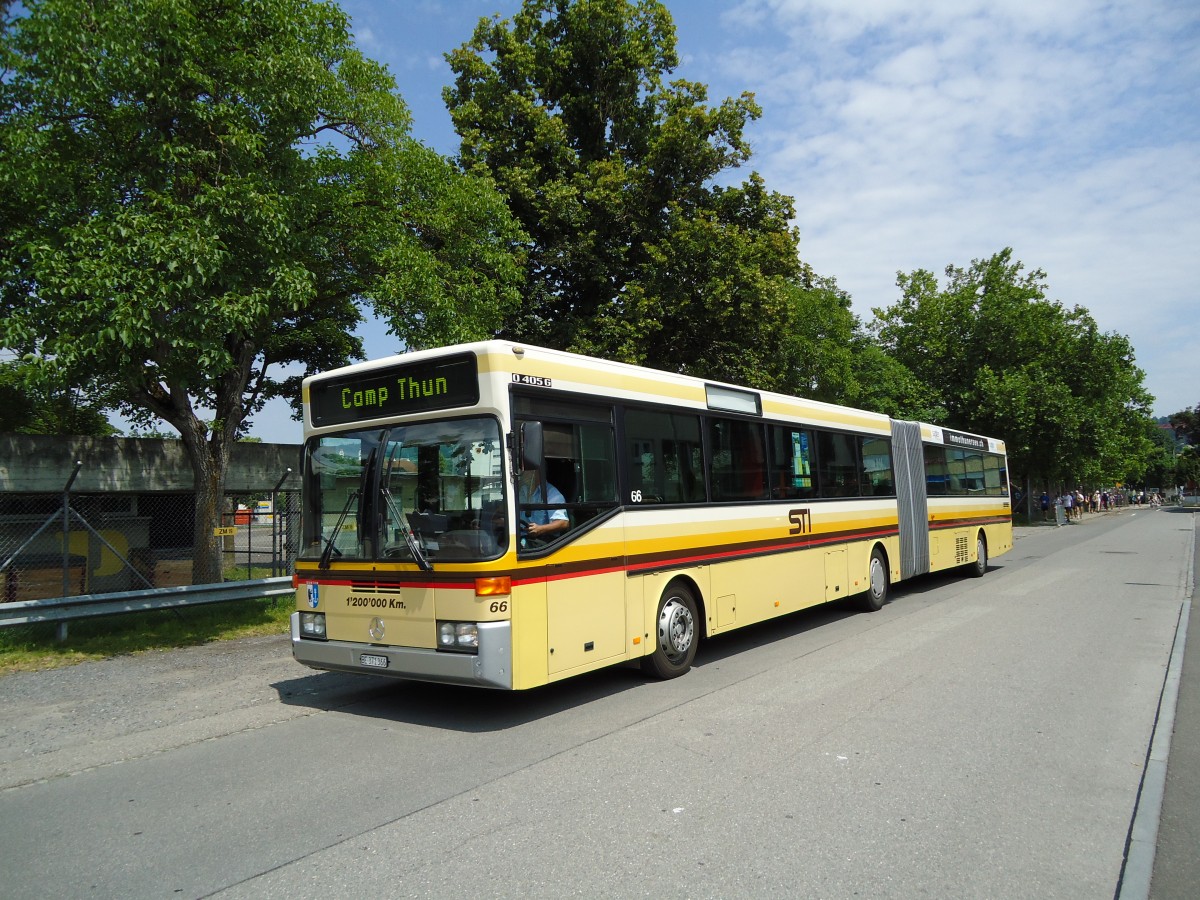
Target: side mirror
531,445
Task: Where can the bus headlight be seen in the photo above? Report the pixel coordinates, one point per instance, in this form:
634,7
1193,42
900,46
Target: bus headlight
460,636
312,625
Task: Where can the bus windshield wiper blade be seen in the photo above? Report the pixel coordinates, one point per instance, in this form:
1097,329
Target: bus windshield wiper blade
410,539
330,549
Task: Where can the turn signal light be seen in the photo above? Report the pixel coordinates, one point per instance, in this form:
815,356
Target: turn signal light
492,587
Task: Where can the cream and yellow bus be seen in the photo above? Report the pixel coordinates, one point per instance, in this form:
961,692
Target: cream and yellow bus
503,515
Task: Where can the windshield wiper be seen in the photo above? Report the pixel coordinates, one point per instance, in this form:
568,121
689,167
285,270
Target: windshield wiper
330,549
410,539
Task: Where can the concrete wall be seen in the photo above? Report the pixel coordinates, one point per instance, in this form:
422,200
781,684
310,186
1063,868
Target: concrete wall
41,464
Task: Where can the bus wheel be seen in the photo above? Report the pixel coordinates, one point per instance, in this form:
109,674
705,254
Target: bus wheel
678,634
979,567
877,583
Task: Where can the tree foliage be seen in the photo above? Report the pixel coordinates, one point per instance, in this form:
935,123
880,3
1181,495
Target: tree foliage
1187,468
881,383
1186,424
198,192
31,403
1161,463
1005,361
641,248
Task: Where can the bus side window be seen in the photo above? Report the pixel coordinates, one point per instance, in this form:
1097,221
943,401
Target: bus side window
839,466
664,457
973,472
993,475
560,450
965,470
790,457
739,469
579,461
877,467
936,476
563,474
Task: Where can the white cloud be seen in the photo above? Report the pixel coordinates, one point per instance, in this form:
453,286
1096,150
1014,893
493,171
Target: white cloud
921,135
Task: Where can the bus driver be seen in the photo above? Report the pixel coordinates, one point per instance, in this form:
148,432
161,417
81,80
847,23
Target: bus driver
541,524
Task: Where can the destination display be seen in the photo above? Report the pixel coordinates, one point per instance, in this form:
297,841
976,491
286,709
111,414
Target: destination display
960,439
396,391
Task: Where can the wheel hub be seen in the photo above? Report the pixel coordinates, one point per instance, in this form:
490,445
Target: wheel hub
676,628
878,579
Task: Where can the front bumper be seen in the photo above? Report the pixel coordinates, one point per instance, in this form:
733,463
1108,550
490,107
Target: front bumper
490,667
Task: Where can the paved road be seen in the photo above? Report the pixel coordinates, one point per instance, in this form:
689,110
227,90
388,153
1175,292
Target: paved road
975,738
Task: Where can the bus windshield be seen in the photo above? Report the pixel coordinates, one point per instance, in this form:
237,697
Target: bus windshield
419,492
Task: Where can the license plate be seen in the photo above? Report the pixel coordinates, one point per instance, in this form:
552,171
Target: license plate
369,659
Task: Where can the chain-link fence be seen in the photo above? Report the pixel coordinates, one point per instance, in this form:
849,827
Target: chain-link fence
265,534
67,544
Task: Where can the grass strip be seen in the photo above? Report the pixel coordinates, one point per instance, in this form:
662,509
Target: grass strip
28,648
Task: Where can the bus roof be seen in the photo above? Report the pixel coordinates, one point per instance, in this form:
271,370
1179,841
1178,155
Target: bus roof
516,362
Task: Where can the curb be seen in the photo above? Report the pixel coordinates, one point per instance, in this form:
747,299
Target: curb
1141,844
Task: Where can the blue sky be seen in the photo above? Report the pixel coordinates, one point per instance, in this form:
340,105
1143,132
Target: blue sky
924,134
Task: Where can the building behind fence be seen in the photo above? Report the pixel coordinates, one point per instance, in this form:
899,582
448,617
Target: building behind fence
95,515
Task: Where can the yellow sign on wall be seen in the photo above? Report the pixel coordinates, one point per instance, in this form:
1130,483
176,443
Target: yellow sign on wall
224,531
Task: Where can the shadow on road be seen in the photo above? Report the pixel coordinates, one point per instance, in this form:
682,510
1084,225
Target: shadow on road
451,707
475,710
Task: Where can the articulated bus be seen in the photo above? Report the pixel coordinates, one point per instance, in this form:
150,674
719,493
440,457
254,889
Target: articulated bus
506,516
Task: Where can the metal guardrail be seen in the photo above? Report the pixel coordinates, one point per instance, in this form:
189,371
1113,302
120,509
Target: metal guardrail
62,609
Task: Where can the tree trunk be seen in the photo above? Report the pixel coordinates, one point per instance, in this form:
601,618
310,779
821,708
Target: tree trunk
209,461
208,448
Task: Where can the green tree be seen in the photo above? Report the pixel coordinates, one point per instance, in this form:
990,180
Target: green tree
197,193
1186,424
1161,464
30,403
881,383
1005,361
1187,468
641,249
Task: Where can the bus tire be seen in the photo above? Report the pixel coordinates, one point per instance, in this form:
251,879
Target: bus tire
677,632
978,568
877,583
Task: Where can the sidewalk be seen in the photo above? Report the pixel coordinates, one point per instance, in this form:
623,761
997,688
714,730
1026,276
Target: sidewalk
1176,870
1084,518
